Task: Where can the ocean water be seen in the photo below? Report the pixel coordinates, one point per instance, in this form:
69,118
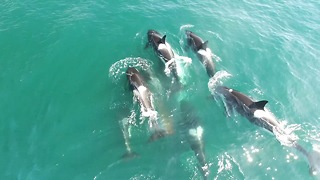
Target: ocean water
64,96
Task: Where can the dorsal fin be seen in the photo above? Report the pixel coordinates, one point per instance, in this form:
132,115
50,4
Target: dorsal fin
163,39
259,104
204,45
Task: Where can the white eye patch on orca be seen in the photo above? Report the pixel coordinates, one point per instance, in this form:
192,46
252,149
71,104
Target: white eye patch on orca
230,90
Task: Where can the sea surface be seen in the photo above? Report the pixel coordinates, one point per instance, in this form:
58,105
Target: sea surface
65,102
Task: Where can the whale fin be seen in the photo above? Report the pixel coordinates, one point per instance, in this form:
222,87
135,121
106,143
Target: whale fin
258,105
163,39
204,45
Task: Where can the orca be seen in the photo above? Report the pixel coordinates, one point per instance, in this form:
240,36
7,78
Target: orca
160,45
204,53
164,52
193,132
257,114
140,90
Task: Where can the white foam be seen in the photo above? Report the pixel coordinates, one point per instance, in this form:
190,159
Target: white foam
142,89
167,69
149,113
186,26
182,64
217,80
119,68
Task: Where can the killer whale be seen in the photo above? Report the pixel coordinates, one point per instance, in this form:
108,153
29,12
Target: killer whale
140,90
256,113
163,50
193,132
160,45
204,53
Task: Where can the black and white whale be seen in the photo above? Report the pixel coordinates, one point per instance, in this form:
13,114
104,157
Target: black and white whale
193,133
256,113
164,51
160,45
204,53
140,90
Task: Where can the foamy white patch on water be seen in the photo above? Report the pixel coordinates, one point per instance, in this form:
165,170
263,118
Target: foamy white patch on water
182,64
216,58
120,67
186,26
285,135
217,79
167,69
149,113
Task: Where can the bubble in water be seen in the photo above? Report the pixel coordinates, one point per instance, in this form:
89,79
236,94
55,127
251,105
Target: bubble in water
186,26
217,80
119,68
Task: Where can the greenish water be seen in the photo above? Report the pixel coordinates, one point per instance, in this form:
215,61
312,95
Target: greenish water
62,104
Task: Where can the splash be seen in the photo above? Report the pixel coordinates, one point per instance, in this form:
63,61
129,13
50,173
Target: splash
216,80
286,135
182,64
119,68
186,26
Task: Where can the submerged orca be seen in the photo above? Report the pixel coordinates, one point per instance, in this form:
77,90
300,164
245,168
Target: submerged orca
256,113
193,133
202,50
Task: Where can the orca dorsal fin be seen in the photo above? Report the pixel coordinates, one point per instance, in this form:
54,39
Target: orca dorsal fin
163,39
204,45
259,104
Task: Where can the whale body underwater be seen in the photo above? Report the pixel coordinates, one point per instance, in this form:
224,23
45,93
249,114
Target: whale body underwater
193,132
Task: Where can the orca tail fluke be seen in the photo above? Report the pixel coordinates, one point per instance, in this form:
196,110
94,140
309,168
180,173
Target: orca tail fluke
314,163
158,134
129,155
313,159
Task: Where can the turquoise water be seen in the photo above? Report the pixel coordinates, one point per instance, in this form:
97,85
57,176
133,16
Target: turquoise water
62,104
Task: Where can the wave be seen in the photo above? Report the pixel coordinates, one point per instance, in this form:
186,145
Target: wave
119,68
